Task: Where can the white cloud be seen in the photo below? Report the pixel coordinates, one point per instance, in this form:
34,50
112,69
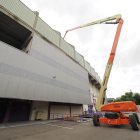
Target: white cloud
95,42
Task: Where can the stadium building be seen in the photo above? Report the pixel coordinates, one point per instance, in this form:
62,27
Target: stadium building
41,75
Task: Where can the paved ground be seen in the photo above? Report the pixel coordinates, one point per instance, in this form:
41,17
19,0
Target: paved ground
60,130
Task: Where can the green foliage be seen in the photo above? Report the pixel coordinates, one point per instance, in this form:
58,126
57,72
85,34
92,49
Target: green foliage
137,98
109,100
129,96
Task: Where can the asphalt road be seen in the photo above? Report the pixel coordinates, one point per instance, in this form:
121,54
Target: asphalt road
60,130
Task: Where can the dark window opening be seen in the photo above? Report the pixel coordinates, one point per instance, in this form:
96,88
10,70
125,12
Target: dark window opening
12,33
14,110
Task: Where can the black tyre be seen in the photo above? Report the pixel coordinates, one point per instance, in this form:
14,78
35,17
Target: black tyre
96,120
137,118
133,122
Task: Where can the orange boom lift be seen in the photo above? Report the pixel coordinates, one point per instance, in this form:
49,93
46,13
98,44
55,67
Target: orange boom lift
115,113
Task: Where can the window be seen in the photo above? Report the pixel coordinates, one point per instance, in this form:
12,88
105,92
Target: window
12,33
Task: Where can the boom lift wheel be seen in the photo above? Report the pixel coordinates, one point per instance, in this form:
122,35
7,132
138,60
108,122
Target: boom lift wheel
133,122
137,118
96,120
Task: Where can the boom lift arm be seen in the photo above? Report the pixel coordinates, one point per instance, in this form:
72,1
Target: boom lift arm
101,21
101,95
109,20
113,112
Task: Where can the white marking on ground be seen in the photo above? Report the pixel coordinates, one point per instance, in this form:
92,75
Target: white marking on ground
60,126
85,123
34,123
18,125
2,127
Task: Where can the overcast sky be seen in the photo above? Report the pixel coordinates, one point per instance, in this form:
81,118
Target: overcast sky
95,42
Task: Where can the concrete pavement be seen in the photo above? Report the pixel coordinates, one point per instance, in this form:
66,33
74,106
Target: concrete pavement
61,130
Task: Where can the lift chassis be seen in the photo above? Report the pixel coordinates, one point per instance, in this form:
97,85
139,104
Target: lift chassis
117,114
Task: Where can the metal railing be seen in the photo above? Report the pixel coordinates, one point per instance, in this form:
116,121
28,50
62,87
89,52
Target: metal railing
68,117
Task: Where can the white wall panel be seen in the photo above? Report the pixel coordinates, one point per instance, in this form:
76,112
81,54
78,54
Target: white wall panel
48,32
87,66
41,107
17,8
59,64
76,110
66,47
22,12
32,78
60,109
80,59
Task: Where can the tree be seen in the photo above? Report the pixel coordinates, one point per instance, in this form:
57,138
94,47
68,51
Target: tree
129,96
137,98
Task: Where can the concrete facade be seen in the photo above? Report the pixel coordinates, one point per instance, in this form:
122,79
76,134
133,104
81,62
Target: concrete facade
39,110
39,70
44,110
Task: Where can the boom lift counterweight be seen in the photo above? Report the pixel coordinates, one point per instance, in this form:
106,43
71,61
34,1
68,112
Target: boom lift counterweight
113,112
